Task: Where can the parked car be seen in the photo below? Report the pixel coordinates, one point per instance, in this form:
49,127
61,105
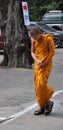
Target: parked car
57,35
1,43
53,19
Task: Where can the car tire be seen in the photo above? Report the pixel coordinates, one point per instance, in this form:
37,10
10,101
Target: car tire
57,41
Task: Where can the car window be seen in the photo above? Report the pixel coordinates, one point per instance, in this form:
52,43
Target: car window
53,18
44,26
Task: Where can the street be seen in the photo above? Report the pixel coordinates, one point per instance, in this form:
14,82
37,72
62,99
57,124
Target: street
17,98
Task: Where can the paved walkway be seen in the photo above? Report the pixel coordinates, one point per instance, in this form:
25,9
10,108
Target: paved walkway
21,117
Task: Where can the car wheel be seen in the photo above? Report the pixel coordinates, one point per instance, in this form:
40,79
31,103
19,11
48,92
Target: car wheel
57,41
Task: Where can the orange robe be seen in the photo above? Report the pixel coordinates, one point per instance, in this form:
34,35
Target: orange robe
44,50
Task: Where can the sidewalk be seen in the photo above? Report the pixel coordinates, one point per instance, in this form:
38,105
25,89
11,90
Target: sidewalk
28,121
22,117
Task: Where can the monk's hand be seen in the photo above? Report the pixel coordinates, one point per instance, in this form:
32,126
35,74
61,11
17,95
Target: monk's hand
40,63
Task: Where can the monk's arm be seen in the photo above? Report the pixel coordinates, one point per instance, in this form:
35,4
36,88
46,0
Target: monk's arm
39,62
32,51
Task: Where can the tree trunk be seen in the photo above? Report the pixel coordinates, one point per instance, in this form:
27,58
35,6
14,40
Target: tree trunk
17,42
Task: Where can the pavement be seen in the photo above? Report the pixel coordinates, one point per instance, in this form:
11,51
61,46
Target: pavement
20,116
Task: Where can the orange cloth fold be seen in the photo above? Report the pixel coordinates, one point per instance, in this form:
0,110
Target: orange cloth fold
44,51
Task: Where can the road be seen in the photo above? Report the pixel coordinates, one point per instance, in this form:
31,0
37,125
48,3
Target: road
17,98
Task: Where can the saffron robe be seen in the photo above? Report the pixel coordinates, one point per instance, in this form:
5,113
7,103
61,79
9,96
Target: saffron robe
44,50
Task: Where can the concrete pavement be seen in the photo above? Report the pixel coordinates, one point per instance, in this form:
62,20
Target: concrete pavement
20,116
28,121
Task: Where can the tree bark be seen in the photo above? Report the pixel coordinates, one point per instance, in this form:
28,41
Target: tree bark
17,42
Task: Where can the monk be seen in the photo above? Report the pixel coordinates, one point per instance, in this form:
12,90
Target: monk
42,51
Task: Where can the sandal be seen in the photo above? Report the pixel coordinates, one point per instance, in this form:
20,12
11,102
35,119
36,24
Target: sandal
48,109
39,111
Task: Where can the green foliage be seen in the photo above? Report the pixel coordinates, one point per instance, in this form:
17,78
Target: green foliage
38,7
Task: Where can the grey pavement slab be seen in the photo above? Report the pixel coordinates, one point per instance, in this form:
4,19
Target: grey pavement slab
29,122
17,95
